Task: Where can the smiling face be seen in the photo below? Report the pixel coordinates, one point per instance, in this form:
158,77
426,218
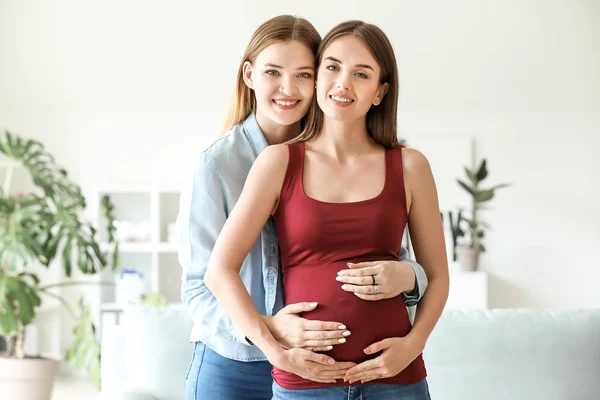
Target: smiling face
282,78
348,81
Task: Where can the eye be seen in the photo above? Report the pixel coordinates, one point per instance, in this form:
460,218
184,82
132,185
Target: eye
332,67
305,75
272,72
362,75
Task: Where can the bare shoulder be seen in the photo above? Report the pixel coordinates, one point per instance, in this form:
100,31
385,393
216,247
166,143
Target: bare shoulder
414,163
269,169
276,155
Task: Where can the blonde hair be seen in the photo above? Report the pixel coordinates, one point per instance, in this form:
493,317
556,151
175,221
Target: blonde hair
382,119
282,28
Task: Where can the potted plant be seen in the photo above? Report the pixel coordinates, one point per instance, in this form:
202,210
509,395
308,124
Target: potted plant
44,228
468,253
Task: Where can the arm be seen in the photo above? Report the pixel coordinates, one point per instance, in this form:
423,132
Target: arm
428,241
255,205
201,217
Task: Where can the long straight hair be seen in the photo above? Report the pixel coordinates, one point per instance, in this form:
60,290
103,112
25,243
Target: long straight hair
381,119
282,28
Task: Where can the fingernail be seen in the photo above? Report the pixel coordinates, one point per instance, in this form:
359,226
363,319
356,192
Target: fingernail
355,293
342,340
340,273
329,347
347,333
331,361
338,278
313,304
342,327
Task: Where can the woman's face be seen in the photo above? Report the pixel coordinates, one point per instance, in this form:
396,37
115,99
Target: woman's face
283,80
348,80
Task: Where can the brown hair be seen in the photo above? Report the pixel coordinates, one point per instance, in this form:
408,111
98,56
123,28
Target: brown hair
277,29
381,119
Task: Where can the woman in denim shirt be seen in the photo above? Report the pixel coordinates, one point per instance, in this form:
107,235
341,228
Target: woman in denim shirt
274,88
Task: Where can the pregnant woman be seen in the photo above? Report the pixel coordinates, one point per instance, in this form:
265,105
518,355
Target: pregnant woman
338,193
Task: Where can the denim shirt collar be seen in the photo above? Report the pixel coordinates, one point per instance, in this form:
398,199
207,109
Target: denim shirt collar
254,134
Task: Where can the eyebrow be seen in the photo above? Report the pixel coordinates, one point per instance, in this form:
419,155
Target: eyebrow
367,66
279,66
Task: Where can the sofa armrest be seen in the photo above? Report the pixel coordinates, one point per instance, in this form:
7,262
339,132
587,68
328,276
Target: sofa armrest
112,366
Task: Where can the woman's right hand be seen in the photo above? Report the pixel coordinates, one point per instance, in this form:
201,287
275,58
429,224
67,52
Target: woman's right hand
310,365
293,331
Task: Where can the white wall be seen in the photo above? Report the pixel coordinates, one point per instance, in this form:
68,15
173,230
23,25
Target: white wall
130,91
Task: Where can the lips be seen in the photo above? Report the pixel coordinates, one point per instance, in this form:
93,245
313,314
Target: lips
341,101
286,104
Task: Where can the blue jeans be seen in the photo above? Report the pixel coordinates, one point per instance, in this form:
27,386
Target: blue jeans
214,377
415,391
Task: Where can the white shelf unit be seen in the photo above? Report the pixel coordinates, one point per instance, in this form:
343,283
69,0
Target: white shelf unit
151,253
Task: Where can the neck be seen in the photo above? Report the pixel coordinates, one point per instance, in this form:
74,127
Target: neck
345,138
276,133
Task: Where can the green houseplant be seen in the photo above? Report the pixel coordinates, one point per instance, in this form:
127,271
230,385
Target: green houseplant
44,228
468,253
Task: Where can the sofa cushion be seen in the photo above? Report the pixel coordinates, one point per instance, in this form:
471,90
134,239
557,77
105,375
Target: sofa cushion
515,354
157,349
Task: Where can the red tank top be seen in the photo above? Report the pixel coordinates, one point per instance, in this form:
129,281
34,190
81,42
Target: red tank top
318,238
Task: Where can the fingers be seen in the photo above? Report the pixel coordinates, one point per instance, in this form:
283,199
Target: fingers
372,297
320,359
369,289
326,335
362,264
298,308
356,280
361,371
371,269
311,325
378,346
369,375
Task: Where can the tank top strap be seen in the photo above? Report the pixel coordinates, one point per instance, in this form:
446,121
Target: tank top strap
395,172
293,175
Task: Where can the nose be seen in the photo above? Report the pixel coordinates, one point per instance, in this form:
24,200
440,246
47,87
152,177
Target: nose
343,82
288,87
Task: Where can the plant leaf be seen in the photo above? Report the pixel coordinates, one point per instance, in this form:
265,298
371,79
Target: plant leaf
466,187
482,173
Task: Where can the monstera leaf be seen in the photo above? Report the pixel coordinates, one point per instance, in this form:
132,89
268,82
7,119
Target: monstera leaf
18,302
84,352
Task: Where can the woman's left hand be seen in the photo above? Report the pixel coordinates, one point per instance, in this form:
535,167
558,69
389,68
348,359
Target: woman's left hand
377,280
397,354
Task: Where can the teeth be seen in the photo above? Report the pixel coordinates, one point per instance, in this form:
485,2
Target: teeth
343,100
286,103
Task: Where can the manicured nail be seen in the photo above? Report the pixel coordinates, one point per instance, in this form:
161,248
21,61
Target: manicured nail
313,304
331,361
342,340
342,327
344,287
355,293
338,278
347,333
329,347
340,273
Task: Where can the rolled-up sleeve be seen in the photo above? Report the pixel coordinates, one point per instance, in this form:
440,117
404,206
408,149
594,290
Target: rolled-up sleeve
421,282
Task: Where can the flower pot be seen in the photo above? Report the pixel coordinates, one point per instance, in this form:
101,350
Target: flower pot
467,257
28,378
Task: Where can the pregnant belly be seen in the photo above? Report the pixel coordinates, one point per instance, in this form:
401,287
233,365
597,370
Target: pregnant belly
368,321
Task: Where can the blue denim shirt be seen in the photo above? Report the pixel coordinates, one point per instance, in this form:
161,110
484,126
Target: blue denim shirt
206,201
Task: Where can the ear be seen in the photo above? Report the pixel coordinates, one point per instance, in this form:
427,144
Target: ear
381,92
247,74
